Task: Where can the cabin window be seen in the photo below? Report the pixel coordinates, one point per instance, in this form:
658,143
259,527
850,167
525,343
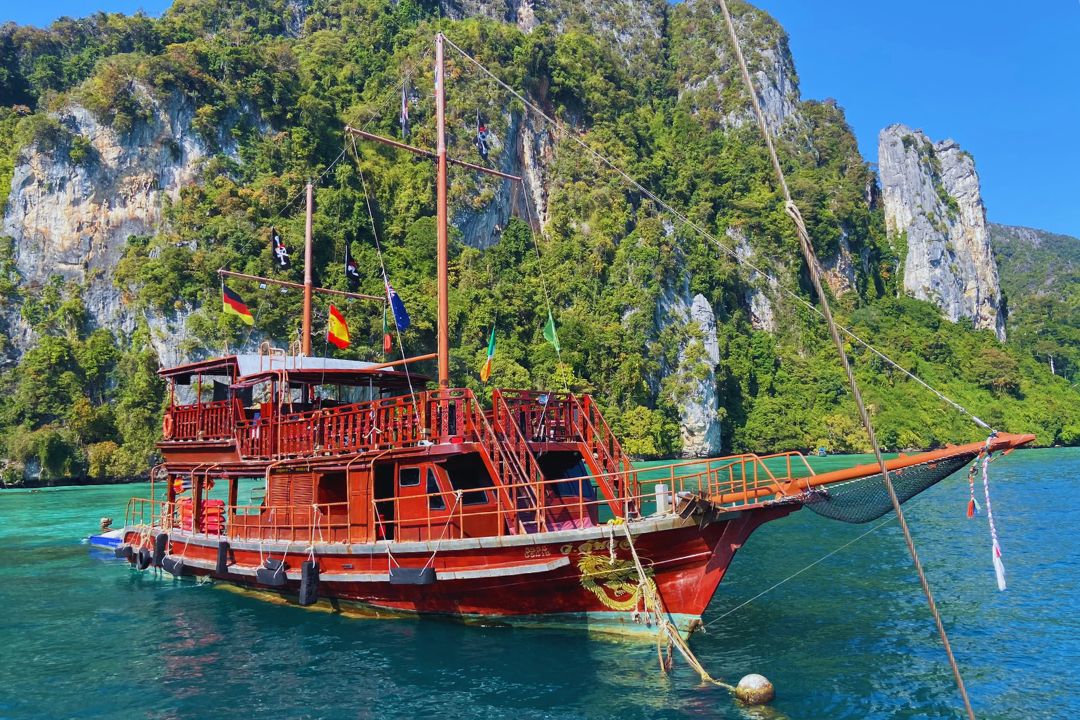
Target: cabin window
435,500
409,477
474,497
468,474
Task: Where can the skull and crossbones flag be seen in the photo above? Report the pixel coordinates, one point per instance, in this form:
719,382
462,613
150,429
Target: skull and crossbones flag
281,253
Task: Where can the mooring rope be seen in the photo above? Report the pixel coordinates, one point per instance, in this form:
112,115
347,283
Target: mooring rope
815,276
654,602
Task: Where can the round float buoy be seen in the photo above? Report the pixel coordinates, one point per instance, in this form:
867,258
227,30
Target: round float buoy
755,689
167,426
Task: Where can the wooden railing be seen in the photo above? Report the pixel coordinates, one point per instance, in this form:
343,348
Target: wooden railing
511,487
506,423
201,421
735,482
540,416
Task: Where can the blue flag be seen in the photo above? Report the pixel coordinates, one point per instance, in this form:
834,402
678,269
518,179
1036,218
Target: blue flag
401,315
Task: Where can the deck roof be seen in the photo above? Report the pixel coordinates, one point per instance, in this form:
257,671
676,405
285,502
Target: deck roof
248,368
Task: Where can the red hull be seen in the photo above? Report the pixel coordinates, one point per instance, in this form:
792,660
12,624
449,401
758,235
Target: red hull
554,579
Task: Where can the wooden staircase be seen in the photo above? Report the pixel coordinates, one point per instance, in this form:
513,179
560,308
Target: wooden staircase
515,475
505,424
603,454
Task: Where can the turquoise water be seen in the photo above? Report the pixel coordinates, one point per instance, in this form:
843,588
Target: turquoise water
849,638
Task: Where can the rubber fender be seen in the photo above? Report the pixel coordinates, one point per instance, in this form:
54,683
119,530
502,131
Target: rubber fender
309,582
161,544
145,558
272,573
124,552
412,576
222,567
173,565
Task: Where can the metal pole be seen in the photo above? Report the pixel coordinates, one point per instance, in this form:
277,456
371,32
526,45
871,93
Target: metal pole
441,218
306,336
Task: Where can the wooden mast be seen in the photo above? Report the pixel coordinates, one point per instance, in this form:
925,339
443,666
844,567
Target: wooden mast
305,340
441,218
441,214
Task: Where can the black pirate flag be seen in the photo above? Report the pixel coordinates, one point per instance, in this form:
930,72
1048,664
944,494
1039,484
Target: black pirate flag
281,253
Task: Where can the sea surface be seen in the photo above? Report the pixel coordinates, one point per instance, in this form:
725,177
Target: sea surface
851,637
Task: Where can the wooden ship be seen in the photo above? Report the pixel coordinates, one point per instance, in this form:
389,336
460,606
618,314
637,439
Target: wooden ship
357,486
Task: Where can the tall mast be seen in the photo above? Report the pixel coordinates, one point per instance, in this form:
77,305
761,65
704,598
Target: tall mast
305,340
441,217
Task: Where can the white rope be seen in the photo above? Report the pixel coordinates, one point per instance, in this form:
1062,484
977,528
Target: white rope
446,526
708,235
995,548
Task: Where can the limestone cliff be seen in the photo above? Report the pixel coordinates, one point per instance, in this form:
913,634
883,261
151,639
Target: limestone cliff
692,379
71,214
707,73
934,211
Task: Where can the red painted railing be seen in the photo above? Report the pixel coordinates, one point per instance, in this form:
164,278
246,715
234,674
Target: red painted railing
201,421
506,424
541,416
593,430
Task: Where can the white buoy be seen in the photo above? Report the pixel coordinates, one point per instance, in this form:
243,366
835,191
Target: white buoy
755,689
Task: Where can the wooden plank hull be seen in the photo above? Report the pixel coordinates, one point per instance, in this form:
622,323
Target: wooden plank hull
575,578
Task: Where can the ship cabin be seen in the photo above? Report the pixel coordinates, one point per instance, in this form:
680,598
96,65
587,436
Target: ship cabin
304,449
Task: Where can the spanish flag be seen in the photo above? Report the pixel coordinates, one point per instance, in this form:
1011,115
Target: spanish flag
231,304
485,372
337,332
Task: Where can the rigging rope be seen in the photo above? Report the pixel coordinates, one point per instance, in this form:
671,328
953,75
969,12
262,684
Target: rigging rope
654,603
797,573
815,276
536,247
386,280
681,217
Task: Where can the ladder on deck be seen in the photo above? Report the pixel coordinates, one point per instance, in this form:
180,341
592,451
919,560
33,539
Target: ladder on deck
516,476
603,454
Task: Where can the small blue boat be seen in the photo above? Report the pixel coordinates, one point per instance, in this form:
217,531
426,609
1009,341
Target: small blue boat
105,540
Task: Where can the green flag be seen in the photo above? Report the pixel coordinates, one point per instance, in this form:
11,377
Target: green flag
550,335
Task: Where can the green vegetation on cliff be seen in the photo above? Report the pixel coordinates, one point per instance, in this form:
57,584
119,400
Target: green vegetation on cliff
270,91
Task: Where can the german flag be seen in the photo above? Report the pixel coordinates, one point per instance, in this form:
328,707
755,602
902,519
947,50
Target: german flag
231,304
337,332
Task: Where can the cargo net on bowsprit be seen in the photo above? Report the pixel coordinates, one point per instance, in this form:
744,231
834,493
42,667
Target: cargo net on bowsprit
866,498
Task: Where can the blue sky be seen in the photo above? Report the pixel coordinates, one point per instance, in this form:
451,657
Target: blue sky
1001,78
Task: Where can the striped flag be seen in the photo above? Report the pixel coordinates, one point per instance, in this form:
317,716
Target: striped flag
231,304
485,371
337,331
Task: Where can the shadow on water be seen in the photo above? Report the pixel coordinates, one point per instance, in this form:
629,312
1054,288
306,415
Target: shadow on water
86,637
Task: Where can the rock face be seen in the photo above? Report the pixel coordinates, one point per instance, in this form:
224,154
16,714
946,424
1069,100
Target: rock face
634,27
73,219
693,380
758,297
707,71
933,205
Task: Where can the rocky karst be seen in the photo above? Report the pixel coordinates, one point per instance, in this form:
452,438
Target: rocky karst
934,211
71,215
